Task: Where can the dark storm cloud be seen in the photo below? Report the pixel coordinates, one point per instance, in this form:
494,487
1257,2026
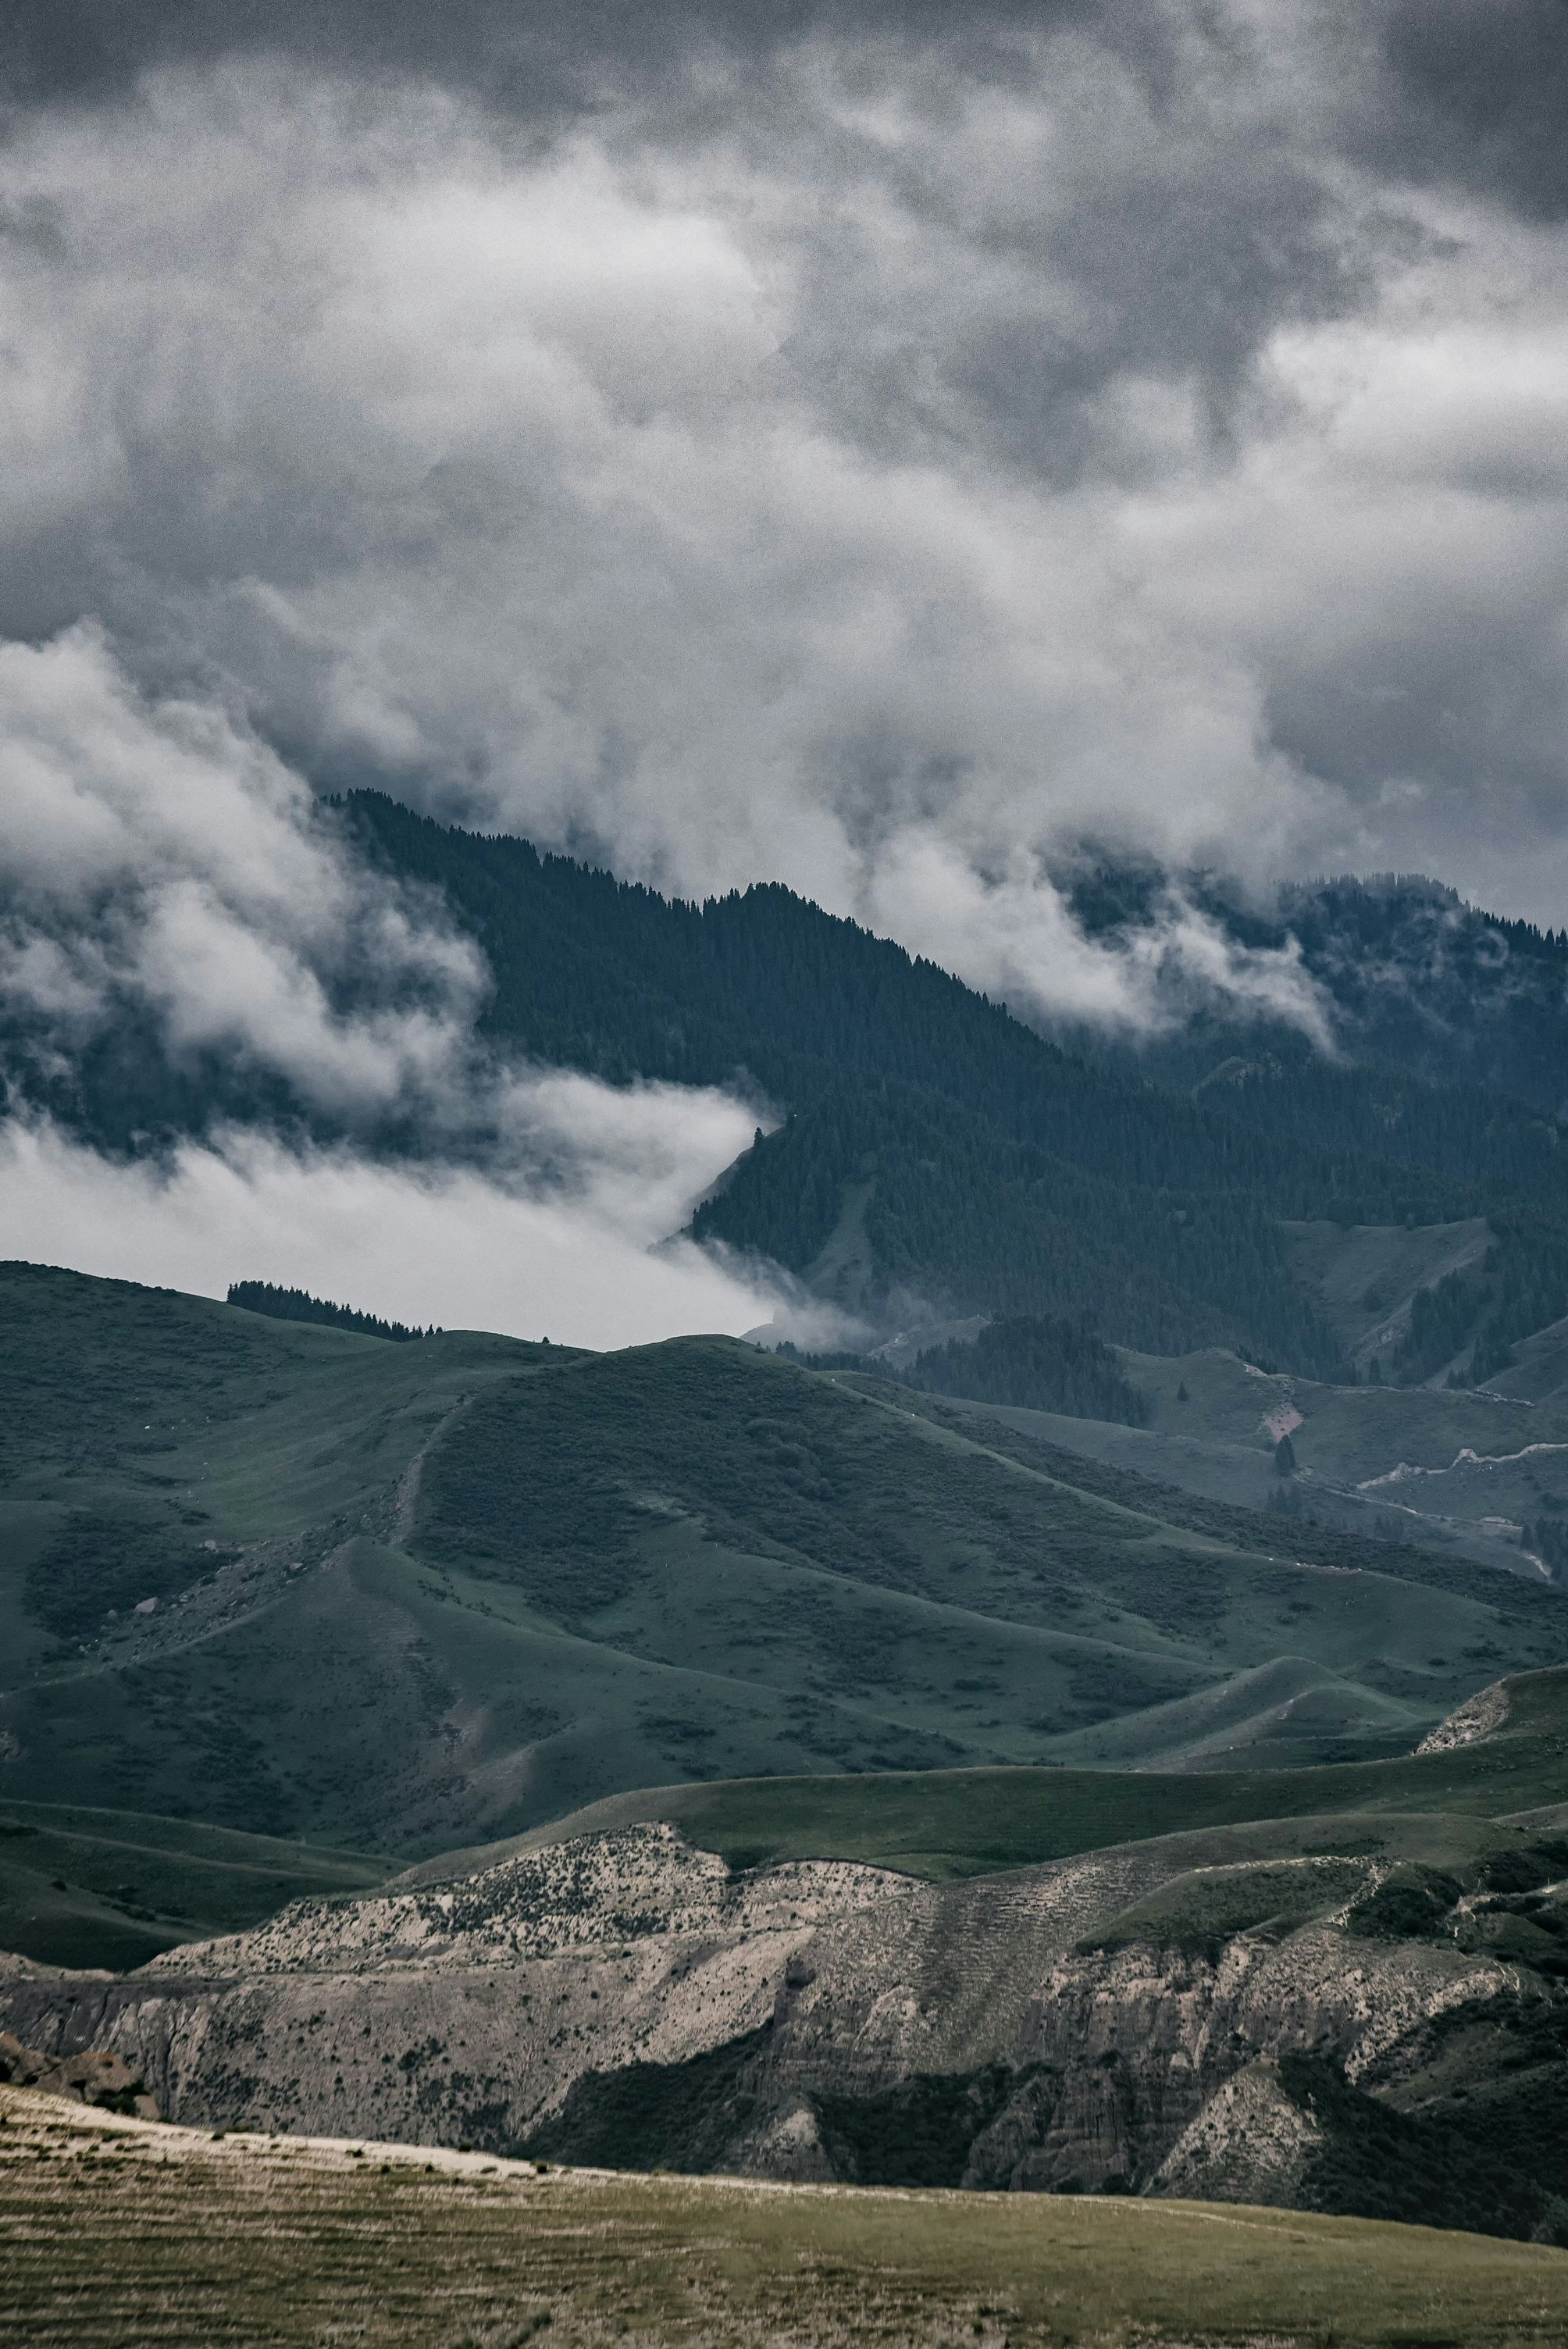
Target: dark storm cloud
873,447
1475,91
535,57
1196,227
1480,95
869,446
1165,249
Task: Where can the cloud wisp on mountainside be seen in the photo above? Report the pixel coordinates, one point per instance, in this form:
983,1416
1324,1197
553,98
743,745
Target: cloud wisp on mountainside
168,877
881,452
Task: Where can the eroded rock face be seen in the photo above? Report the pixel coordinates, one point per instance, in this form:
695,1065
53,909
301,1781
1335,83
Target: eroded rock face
1117,2055
1480,1716
626,1997
1249,2143
95,2077
462,2012
576,1898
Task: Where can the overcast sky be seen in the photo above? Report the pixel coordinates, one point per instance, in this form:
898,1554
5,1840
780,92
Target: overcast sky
874,447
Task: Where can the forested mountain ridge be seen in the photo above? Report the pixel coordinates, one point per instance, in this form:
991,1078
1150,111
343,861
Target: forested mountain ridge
934,1154
610,977
935,1146
1420,983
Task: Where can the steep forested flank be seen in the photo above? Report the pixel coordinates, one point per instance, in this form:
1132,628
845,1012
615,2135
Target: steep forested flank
1521,1286
1031,1361
970,1163
1422,986
933,1149
298,1304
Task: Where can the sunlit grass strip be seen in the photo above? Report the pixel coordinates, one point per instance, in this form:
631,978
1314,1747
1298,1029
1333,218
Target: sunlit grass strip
117,2233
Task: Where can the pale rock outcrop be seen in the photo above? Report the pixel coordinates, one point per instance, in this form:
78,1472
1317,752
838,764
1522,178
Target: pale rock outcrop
1480,1716
479,2009
1250,2143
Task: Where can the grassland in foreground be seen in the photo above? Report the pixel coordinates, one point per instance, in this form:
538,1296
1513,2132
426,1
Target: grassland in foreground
114,2233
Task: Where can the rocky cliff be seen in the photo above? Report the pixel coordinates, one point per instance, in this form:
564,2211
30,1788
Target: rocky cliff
624,1998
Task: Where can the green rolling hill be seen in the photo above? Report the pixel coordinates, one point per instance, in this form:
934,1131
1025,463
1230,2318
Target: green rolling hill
80,1887
1438,1806
304,1584
1449,1469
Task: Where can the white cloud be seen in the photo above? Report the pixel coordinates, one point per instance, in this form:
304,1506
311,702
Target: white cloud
868,476
1012,935
430,1244
158,852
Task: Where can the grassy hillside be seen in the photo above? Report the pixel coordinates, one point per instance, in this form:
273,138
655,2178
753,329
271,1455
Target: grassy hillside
409,1596
1539,1372
1366,1275
896,1581
948,1823
1447,1470
116,2230
98,1887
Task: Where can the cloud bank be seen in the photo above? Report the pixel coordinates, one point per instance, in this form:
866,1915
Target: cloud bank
438,1244
164,872
159,857
767,446
878,449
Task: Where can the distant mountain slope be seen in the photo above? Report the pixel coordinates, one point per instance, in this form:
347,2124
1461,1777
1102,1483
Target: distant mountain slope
1421,984
935,1144
935,1153
299,1581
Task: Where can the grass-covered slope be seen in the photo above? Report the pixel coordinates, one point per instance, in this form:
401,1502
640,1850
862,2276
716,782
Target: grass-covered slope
1367,1276
98,1888
891,1585
942,1824
409,1596
226,1467
116,2230
1450,1471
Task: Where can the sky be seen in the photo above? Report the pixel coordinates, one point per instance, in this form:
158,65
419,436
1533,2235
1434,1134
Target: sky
877,448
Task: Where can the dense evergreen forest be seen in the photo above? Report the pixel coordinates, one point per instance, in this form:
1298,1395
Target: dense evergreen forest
981,1167
933,1150
1033,1361
1421,984
298,1305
